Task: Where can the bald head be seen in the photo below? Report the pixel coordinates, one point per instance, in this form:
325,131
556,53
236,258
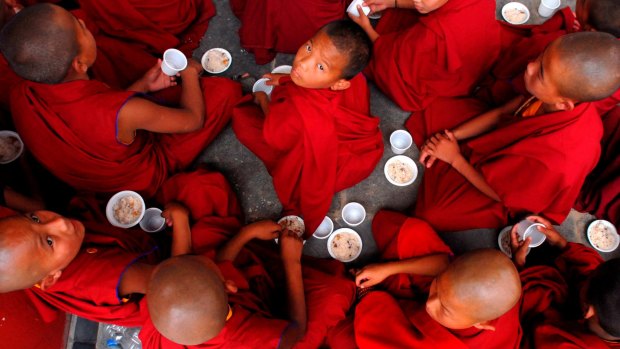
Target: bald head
586,65
604,16
40,43
186,299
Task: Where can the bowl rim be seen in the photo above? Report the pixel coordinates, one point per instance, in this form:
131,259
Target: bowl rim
110,206
405,159
331,231
220,49
353,203
142,220
282,67
518,5
610,225
506,230
21,142
338,232
258,82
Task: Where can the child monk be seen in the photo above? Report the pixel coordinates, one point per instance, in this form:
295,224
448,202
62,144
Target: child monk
445,51
271,26
87,268
237,302
530,155
573,303
93,137
316,136
471,304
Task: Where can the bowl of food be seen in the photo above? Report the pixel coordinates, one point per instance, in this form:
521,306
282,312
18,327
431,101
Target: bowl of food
294,224
603,236
125,209
515,13
325,229
400,170
345,245
216,60
11,146
503,240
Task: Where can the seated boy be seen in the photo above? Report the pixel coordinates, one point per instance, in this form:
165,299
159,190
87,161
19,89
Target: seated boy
271,26
93,137
574,303
316,136
445,51
86,268
471,304
238,302
528,155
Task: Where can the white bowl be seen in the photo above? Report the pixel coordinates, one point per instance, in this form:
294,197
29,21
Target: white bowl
407,161
109,210
611,230
325,229
353,214
152,222
515,6
505,234
18,152
287,220
261,86
282,69
336,236
224,54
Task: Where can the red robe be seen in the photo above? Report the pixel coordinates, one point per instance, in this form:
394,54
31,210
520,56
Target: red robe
557,149
71,129
550,307
445,53
314,143
270,26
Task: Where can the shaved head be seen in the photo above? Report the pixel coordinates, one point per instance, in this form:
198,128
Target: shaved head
586,65
40,43
477,287
604,16
187,300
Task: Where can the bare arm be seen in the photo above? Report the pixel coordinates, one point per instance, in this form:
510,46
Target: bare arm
262,100
430,265
474,177
177,216
485,121
263,230
21,203
291,246
142,114
135,279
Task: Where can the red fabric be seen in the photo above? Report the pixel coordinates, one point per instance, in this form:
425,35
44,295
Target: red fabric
88,286
569,336
382,322
314,143
8,79
71,129
400,237
270,26
153,25
444,54
557,149
600,194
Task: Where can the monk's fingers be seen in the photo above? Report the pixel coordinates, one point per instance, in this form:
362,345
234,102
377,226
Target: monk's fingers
514,238
539,219
431,161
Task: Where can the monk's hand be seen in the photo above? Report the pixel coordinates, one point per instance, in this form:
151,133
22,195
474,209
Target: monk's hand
362,20
378,5
518,247
291,246
554,238
155,79
274,79
175,213
426,158
371,275
442,146
262,230
260,97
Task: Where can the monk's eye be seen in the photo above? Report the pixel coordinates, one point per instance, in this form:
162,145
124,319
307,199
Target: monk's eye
35,218
320,66
308,48
50,241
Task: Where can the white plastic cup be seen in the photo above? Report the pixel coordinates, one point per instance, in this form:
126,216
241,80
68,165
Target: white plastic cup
261,86
353,214
152,222
400,140
174,62
548,7
352,9
527,228
325,229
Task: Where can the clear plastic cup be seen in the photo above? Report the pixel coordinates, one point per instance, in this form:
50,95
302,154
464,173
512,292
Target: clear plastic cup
174,62
400,140
153,222
548,7
353,214
352,9
527,228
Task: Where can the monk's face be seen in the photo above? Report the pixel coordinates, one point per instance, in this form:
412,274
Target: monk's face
34,245
426,6
318,63
443,306
541,76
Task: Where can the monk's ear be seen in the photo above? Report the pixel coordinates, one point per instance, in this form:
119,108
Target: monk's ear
486,325
50,280
565,104
589,312
78,66
340,85
230,286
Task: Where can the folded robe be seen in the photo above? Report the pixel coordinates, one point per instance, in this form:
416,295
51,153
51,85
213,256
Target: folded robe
535,164
314,143
71,129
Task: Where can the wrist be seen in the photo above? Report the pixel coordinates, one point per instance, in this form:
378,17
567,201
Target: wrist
458,161
291,263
